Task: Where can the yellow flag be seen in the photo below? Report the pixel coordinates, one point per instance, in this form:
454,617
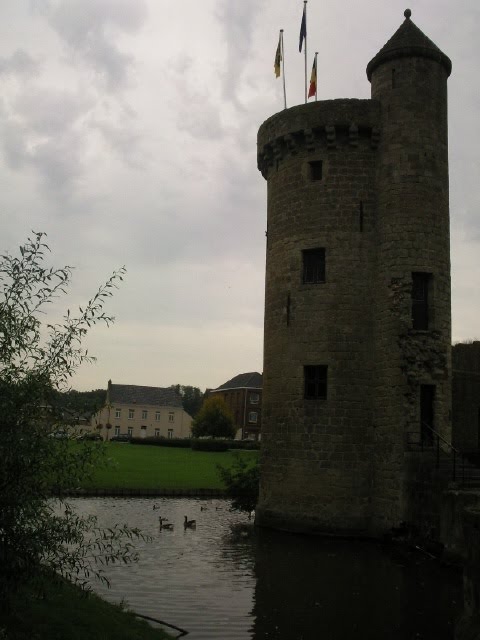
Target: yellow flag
278,56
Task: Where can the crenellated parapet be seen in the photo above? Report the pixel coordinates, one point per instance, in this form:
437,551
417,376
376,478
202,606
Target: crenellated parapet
327,124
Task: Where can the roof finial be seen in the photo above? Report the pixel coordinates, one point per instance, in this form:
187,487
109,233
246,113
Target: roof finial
407,13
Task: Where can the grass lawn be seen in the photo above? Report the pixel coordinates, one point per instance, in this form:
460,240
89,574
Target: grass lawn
149,467
67,612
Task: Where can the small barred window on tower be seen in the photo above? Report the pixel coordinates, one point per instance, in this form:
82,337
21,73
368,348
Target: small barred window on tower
315,381
316,170
421,287
313,266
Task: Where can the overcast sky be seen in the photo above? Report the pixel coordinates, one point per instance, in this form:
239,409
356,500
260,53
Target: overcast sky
128,135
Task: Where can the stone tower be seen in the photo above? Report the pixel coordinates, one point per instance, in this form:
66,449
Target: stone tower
357,304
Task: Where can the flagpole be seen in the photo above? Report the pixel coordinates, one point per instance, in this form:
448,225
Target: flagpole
316,75
305,9
283,70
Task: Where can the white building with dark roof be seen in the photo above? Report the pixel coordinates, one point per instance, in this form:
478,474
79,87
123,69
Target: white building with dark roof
142,412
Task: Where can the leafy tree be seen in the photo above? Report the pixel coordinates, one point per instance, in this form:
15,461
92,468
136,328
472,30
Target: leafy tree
37,360
192,398
214,420
81,403
242,481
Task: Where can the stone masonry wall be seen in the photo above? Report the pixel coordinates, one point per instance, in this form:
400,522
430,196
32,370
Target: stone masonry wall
316,454
412,236
466,396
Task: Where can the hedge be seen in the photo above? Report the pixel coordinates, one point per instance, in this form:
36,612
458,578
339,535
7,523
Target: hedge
163,442
199,444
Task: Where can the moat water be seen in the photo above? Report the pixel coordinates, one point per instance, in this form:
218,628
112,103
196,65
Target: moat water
225,581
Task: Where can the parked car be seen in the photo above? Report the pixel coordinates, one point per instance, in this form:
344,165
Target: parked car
59,435
122,437
90,436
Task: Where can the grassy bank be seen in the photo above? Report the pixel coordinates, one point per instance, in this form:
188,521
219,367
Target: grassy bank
148,467
64,611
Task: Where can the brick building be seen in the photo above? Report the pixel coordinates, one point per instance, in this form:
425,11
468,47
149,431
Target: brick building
243,396
357,338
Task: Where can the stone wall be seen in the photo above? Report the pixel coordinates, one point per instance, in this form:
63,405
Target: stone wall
340,464
466,396
412,236
316,454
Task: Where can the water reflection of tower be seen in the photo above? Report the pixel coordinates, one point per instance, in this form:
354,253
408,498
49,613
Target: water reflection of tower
357,304
309,588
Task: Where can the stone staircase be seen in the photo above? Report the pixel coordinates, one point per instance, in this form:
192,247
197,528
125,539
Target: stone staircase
461,473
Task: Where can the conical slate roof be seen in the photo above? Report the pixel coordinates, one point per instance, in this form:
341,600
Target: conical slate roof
409,41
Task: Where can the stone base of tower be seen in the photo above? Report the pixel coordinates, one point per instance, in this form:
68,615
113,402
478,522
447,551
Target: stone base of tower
313,524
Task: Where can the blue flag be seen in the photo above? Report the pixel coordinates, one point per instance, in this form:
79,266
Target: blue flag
303,28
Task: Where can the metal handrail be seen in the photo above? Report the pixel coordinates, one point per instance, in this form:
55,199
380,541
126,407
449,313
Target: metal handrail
456,452
449,444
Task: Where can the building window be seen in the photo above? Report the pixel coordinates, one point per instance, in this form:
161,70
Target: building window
253,416
144,414
315,377
117,430
316,170
131,413
254,398
421,285
171,417
157,416
313,266
118,413
157,433
170,434
130,431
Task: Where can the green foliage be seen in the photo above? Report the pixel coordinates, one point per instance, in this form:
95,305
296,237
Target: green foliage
245,445
242,481
182,443
209,445
214,420
37,360
192,398
49,610
81,403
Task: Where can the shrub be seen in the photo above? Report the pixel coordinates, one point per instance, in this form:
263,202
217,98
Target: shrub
242,482
37,361
248,445
163,442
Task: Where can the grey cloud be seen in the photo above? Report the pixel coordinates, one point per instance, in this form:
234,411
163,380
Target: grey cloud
88,30
14,146
237,20
50,111
200,119
56,159
197,114
59,162
123,139
45,130
20,62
